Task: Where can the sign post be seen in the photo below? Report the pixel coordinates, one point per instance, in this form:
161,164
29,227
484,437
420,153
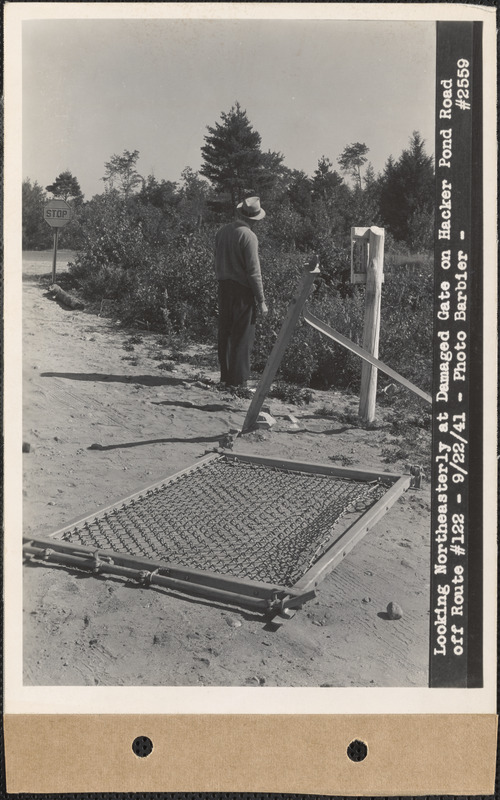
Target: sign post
54,256
367,266
57,213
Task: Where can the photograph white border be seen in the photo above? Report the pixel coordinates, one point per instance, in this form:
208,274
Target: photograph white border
216,700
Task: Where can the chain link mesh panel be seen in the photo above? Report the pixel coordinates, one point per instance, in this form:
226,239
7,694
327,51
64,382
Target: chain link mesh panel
231,517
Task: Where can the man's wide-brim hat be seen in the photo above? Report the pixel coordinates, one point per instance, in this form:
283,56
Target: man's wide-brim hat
251,208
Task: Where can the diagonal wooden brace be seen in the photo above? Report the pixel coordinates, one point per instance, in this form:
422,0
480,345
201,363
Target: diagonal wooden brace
364,354
281,343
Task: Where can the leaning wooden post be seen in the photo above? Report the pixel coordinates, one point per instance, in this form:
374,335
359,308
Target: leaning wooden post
281,343
371,331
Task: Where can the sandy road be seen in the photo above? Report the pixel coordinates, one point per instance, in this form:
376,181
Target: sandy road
81,388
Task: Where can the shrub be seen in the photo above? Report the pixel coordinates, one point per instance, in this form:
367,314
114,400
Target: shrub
290,393
167,285
113,246
191,285
406,323
281,274
163,277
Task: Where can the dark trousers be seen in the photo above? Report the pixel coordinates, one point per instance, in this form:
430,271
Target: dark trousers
236,331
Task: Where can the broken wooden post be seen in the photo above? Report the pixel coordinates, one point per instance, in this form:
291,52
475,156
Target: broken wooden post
372,265
64,297
281,343
354,348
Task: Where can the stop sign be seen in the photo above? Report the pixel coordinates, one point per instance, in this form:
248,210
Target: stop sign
57,213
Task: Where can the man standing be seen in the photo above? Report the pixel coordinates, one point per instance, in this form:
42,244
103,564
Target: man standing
237,268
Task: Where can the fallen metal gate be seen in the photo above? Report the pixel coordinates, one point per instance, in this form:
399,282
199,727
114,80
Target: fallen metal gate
249,531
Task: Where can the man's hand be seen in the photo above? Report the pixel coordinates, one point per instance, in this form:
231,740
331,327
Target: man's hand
263,308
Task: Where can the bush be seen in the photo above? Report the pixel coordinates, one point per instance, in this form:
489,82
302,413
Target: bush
281,273
191,285
165,282
164,278
36,234
113,247
406,322
313,359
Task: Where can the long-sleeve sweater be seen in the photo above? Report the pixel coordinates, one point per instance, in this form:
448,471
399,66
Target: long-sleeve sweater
237,257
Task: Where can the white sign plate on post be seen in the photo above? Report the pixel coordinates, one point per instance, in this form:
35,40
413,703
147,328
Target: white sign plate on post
57,213
360,252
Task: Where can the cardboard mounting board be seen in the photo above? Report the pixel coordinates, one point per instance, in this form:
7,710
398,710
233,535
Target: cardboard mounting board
430,739
288,754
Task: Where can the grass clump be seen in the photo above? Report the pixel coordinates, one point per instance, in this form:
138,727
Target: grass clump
291,393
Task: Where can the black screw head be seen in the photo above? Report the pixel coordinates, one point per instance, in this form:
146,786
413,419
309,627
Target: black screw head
142,746
357,750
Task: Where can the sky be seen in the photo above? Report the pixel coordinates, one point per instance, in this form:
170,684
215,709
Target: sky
94,88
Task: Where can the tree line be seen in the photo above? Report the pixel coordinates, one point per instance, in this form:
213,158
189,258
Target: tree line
145,246
235,166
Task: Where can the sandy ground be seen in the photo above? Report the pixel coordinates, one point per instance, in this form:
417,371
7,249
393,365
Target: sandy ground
85,383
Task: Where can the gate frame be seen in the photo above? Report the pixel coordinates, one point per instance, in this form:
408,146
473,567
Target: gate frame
248,593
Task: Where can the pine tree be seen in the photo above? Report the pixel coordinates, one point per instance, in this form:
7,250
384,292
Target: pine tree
66,186
407,193
325,180
272,177
233,160
300,192
365,202
352,158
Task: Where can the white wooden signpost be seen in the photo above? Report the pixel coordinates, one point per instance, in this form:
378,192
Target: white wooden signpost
57,213
367,266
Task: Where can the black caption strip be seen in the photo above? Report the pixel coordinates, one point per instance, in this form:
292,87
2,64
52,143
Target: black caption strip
456,514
